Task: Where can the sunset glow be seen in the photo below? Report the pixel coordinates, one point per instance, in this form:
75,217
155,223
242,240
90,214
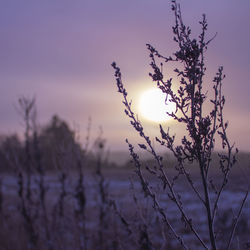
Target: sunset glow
60,52
153,106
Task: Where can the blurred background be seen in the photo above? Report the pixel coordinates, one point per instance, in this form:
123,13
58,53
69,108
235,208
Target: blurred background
60,52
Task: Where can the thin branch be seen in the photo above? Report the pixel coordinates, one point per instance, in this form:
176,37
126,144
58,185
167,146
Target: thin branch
236,220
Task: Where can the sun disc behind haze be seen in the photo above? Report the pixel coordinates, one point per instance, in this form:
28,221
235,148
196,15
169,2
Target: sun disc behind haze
154,107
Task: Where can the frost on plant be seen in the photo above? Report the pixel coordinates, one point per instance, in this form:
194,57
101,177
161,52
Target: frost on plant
204,130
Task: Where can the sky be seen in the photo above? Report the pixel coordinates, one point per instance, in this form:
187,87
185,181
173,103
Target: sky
60,51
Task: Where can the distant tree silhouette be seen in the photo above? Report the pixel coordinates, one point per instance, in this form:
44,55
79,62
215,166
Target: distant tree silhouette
57,140
11,152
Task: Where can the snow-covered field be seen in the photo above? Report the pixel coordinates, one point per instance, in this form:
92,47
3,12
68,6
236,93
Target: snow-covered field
131,204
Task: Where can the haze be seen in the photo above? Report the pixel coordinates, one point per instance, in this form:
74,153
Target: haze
61,51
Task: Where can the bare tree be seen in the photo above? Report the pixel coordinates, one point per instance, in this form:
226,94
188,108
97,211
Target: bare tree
198,144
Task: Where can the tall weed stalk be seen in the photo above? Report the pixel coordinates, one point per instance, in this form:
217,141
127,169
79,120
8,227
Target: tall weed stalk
198,144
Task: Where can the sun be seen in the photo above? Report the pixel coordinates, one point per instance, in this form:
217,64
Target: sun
153,106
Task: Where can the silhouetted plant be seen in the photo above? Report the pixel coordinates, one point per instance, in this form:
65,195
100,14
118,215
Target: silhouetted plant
29,212
102,187
42,189
198,144
47,218
144,241
28,113
1,196
80,190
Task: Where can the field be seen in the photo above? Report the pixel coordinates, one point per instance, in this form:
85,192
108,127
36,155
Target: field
113,214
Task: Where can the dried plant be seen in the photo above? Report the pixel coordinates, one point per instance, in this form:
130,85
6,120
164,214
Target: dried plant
102,187
28,112
28,210
80,191
198,144
72,211
1,196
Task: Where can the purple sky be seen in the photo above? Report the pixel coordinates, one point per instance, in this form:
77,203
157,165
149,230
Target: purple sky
61,51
